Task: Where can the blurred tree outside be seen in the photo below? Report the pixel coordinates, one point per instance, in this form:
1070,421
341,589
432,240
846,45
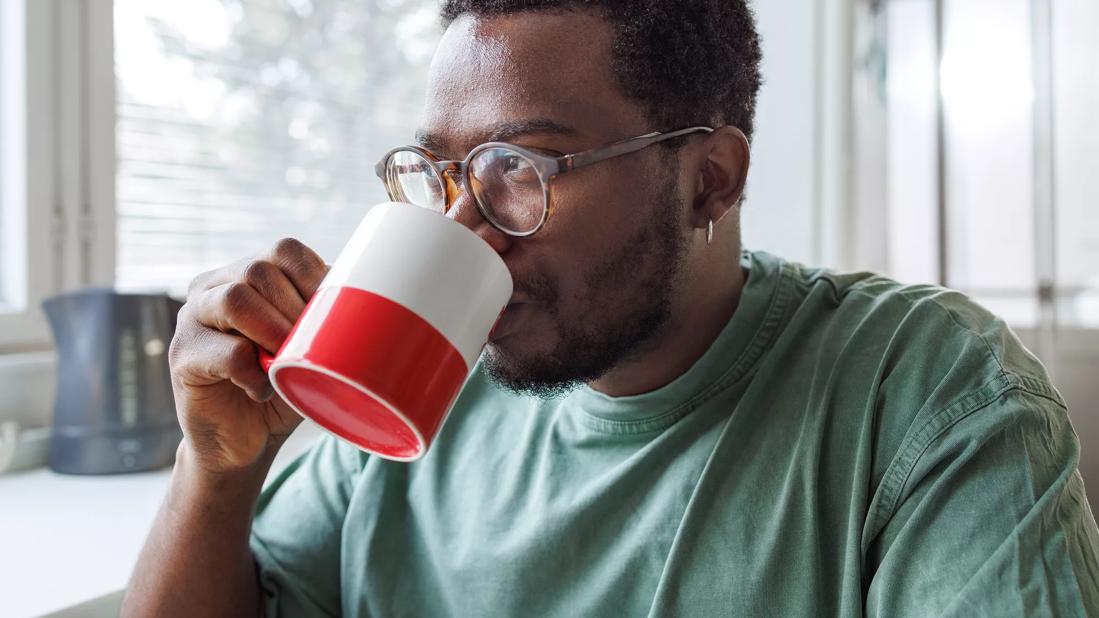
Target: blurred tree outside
243,121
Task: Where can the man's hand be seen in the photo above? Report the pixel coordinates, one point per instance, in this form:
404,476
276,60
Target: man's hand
197,561
226,404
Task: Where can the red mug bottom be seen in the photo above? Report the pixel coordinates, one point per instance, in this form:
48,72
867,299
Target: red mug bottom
329,398
378,375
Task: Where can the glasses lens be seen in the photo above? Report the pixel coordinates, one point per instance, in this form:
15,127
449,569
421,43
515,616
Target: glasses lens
413,179
508,187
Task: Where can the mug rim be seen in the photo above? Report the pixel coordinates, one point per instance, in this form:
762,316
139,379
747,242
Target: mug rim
304,363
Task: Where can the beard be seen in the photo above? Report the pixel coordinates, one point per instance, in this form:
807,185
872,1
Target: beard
629,299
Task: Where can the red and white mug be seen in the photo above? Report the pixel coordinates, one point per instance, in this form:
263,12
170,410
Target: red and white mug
385,345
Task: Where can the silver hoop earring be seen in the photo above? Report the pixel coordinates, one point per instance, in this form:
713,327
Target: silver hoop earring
710,232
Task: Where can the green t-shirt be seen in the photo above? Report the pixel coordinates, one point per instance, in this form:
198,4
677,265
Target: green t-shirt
847,445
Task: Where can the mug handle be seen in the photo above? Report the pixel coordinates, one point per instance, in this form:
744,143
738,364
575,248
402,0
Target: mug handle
265,360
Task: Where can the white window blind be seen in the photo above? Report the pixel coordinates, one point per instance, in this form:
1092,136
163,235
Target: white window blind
244,121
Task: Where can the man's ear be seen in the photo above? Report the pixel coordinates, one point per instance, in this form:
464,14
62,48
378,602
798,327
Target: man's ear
722,174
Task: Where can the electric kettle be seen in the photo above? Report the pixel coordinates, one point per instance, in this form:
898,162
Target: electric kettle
114,410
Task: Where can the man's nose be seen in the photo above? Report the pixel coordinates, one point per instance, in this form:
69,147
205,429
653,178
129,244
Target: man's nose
464,210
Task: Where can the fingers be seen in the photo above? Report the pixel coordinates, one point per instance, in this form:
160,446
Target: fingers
207,356
273,284
238,308
231,310
302,265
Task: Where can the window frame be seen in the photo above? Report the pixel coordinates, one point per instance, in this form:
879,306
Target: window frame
59,163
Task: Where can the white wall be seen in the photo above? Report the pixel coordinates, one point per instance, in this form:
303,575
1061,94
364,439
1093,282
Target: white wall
796,190
778,211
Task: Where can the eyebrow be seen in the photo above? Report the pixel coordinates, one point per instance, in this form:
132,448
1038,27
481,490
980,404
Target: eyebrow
503,132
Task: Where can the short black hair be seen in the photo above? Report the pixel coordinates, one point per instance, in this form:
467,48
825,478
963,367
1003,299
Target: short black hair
689,62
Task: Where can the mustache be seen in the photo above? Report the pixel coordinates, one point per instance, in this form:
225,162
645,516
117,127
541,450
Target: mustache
535,287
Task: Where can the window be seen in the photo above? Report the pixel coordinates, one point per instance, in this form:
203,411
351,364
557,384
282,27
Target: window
911,191
987,144
12,259
56,159
243,121
24,254
1075,156
987,95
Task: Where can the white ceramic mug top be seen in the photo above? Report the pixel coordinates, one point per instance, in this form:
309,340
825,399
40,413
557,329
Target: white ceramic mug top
431,264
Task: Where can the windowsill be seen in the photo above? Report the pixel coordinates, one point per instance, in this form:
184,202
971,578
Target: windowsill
28,381
66,540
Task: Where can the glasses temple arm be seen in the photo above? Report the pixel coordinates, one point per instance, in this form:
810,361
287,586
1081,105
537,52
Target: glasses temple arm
582,159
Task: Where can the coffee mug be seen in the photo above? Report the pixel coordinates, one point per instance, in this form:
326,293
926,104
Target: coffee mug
384,346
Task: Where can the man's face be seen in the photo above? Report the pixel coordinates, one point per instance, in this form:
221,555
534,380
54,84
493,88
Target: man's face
597,281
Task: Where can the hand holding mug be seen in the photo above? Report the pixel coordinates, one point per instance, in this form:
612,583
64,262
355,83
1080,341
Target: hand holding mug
226,405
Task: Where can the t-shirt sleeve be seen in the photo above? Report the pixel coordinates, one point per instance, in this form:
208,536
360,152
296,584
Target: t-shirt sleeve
297,530
985,515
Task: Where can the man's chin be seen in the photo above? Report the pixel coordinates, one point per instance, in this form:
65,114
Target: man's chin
507,365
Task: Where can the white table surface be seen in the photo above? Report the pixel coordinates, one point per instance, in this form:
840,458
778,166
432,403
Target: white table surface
67,539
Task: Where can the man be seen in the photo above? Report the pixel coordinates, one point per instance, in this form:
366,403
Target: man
667,425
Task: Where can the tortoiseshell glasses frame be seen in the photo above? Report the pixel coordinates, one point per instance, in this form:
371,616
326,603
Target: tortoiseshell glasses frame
442,174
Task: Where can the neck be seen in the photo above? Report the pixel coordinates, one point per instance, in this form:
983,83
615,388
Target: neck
703,307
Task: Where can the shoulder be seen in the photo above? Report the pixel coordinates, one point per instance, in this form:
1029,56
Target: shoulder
926,357
921,334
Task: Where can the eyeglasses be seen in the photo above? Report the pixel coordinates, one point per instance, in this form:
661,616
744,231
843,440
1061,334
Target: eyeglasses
510,184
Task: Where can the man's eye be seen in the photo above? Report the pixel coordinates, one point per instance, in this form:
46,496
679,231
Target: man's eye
519,170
